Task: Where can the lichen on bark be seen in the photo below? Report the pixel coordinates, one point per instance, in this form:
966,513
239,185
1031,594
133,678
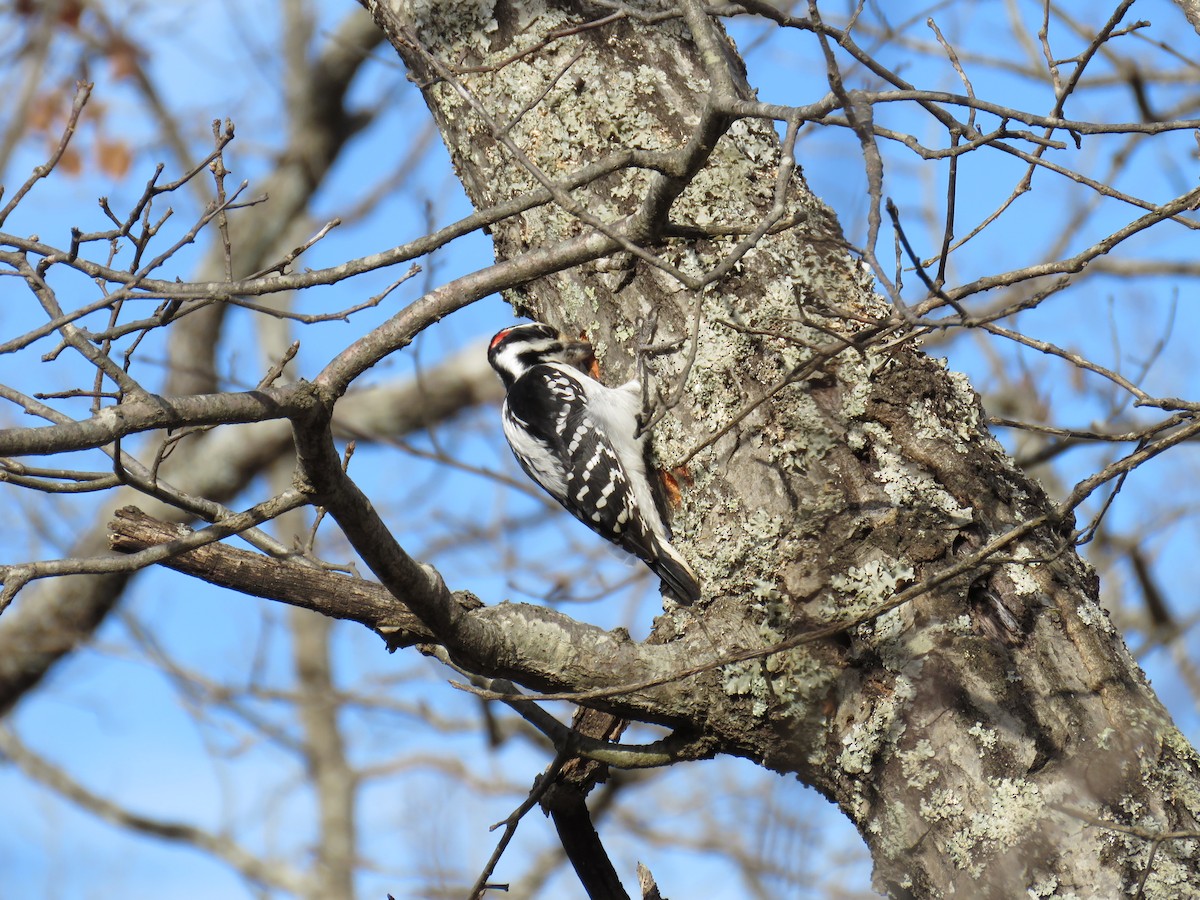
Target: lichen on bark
964,732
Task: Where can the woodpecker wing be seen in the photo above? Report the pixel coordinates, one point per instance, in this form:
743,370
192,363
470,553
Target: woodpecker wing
577,464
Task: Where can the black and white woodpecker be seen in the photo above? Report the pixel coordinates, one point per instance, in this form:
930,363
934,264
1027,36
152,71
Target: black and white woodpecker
580,441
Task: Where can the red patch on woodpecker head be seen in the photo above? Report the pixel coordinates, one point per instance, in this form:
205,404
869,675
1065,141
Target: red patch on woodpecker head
499,336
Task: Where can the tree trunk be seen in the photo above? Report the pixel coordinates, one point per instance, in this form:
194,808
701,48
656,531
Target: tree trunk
989,734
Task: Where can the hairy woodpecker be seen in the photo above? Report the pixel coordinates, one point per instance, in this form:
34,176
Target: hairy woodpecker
579,440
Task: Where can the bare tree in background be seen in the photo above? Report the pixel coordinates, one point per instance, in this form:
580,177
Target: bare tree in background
893,610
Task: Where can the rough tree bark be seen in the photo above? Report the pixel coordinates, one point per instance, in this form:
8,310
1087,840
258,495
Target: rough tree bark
988,734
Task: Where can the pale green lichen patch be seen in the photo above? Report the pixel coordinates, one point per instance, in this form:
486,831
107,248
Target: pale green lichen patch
892,624
1016,806
858,391
798,449
1171,876
1176,861
864,587
435,20
739,545
966,423
779,678
712,383
985,736
941,806
1047,887
931,423
907,485
914,764
1093,615
746,679
1021,574
1172,873
874,581
731,183
863,740
961,626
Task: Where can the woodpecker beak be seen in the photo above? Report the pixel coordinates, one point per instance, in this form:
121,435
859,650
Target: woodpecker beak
579,354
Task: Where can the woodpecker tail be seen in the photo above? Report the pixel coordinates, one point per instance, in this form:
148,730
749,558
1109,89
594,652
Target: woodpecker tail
677,576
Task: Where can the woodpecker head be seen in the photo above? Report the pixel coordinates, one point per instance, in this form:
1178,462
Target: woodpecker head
518,348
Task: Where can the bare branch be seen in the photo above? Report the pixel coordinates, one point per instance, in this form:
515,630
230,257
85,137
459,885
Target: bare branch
83,90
